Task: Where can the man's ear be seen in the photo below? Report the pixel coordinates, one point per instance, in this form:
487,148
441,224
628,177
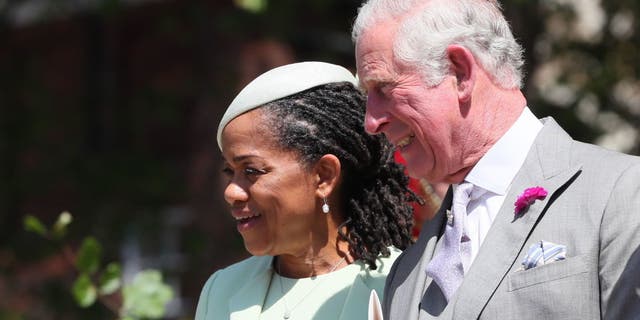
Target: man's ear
463,65
327,170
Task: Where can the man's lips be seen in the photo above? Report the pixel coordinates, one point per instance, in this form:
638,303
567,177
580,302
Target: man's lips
404,141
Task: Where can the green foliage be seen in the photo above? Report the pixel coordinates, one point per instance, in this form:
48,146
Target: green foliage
84,291
146,296
254,6
60,226
33,224
89,256
110,279
58,230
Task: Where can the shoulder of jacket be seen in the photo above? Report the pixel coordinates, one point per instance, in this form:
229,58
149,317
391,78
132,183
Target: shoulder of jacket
245,269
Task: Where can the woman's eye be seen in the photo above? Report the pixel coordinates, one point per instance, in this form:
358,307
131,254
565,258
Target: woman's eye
253,171
228,172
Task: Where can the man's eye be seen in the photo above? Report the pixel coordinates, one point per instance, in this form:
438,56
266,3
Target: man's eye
385,88
381,89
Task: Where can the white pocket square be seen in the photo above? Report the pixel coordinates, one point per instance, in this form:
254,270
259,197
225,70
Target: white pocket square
543,252
375,309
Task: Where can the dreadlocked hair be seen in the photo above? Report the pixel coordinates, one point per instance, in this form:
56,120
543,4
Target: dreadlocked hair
329,119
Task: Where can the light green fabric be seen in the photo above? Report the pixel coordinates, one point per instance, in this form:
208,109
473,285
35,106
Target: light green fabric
238,292
324,294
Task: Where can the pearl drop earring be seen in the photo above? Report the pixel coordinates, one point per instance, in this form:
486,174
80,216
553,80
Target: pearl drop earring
325,206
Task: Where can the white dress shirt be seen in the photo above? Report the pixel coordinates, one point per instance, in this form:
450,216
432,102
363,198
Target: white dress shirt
492,177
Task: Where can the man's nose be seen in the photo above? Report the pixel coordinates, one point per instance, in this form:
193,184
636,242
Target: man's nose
375,118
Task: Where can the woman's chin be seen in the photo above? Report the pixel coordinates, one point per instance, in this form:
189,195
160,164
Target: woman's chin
256,248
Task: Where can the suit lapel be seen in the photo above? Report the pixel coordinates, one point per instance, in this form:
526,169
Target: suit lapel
247,302
548,166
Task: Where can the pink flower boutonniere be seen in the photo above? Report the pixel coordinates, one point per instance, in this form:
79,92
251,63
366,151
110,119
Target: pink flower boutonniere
528,197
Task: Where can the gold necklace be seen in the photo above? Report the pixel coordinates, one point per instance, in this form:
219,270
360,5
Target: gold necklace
287,311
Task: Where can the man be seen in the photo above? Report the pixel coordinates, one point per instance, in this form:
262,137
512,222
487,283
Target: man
541,226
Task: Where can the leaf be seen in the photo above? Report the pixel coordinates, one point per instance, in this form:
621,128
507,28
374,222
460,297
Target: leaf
88,259
254,6
60,227
110,279
33,224
146,296
84,291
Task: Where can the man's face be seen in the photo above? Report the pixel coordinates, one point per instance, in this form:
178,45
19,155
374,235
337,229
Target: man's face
421,121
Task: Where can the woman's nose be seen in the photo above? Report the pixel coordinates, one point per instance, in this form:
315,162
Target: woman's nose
235,193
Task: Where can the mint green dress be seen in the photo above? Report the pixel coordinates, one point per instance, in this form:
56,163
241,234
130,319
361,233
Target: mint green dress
251,290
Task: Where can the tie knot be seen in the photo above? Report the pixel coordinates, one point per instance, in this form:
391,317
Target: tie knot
462,194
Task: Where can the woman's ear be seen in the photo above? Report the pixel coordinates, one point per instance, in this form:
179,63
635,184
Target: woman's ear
463,66
327,171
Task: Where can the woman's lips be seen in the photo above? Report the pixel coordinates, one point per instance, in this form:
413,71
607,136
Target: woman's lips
245,217
245,222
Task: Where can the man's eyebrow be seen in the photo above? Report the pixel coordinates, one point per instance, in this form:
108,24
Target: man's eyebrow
370,80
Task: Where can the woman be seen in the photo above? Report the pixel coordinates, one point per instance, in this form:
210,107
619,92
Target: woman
319,203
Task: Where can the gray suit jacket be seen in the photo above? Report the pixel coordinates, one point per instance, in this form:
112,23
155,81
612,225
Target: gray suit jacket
593,207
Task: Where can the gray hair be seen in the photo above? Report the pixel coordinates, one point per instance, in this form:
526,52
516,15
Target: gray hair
427,27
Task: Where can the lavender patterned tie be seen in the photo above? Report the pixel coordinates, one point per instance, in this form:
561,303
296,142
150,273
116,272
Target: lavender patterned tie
446,266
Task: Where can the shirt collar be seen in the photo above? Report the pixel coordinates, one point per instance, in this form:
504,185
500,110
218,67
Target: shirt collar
499,166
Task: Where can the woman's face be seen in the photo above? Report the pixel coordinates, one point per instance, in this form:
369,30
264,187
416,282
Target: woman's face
272,196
